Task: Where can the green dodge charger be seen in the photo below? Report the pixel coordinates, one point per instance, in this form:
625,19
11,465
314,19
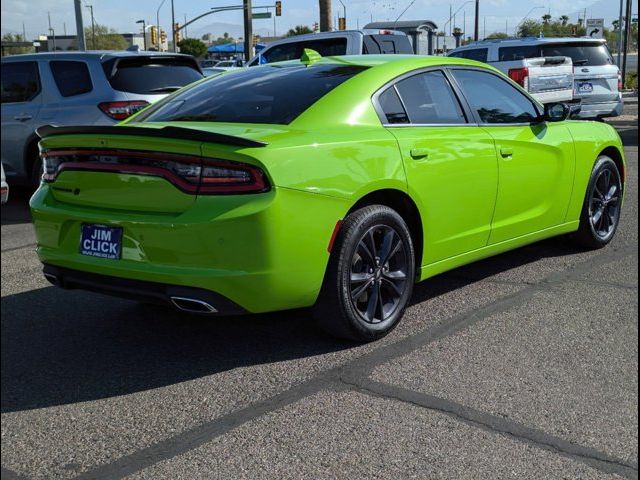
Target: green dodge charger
333,182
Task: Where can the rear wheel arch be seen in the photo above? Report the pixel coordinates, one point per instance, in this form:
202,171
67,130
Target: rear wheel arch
404,205
31,155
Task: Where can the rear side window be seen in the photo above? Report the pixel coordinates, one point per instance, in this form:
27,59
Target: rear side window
429,99
20,81
328,47
478,54
72,78
271,94
589,54
391,44
392,107
150,75
511,54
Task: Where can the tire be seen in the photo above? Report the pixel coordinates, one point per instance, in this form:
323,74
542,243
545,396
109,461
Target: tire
35,175
361,299
600,214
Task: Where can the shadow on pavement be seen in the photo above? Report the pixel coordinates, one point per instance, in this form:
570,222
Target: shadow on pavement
16,209
61,347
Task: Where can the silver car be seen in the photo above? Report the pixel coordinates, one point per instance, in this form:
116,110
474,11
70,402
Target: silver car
78,88
597,81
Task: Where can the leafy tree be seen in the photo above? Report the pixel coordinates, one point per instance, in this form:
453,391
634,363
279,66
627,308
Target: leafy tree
546,18
10,37
497,35
553,28
192,46
105,39
564,19
299,30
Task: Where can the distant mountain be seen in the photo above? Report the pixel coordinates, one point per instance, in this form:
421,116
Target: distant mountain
217,29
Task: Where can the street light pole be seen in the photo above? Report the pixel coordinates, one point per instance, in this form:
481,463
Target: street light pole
144,33
93,28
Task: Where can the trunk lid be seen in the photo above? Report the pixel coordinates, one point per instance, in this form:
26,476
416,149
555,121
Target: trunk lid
158,169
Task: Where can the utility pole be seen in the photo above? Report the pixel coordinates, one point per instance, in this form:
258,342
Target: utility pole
449,19
173,28
627,34
93,28
477,22
158,25
24,33
620,35
325,15
248,29
144,33
79,27
52,31
185,28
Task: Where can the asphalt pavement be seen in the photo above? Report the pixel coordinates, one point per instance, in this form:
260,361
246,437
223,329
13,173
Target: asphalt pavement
524,365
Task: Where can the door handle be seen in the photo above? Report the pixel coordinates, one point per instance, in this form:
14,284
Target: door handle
506,152
23,117
419,153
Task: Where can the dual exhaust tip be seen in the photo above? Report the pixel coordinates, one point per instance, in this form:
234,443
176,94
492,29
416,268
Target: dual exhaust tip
193,305
184,304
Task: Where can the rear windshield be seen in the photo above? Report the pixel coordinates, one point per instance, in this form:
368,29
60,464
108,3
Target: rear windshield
478,54
373,44
591,54
272,94
149,75
327,47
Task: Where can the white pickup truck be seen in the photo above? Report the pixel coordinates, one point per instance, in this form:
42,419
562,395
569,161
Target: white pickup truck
548,79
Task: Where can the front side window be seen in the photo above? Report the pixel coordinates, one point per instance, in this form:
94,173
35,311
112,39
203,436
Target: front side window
72,78
20,81
493,99
429,99
275,94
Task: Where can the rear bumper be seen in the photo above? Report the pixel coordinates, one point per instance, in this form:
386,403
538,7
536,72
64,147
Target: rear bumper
600,110
262,252
151,292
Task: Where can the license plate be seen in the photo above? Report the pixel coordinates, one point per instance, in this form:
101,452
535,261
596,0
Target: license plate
101,241
585,87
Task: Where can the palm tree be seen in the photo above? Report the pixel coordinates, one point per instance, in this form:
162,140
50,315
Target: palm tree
325,15
545,18
564,19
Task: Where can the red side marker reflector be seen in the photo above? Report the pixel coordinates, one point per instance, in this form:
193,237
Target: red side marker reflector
336,229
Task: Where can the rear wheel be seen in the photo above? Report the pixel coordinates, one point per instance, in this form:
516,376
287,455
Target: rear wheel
601,210
370,276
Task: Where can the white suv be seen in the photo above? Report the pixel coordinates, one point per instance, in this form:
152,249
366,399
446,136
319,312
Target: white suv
597,82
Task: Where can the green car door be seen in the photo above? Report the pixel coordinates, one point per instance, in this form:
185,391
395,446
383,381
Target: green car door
451,164
536,160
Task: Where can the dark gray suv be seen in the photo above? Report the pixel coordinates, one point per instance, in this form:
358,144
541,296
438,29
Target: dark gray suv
78,88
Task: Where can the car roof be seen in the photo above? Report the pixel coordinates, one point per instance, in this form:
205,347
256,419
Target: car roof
529,41
398,60
102,55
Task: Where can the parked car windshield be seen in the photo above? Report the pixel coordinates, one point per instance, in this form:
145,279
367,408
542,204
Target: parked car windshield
274,94
589,54
150,75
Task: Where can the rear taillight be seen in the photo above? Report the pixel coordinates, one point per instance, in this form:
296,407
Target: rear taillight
122,110
520,76
619,82
190,174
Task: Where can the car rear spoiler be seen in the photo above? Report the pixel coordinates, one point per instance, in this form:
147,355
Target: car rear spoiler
179,133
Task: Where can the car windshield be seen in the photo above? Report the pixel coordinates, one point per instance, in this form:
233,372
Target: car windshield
275,94
589,54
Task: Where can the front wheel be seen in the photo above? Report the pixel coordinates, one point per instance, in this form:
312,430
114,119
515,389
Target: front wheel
601,210
370,276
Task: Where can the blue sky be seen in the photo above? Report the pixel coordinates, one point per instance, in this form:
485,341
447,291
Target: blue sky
122,14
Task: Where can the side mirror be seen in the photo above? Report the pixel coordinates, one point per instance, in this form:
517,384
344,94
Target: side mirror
556,112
